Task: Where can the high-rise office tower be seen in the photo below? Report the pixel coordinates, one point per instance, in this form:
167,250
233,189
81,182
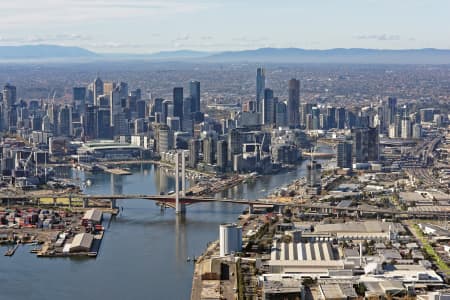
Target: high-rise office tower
305,110
406,132
209,150
115,104
90,122
268,107
46,125
365,144
313,174
131,102
178,102
174,123
141,107
340,118
344,154
222,156
373,143
350,119
97,89
331,117
260,86
120,125
139,126
194,150
162,137
79,99
293,105
108,87
281,114
323,121
65,121
309,122
234,144
167,110
104,123
136,93
391,110
52,112
315,113
187,124
194,89
417,131
123,90
36,122
79,96
9,95
157,105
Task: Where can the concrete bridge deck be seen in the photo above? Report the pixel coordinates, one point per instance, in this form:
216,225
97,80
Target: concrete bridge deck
199,199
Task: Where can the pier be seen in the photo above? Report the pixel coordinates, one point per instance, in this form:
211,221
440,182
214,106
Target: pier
11,251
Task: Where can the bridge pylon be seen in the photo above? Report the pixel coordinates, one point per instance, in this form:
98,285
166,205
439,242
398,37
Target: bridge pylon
179,207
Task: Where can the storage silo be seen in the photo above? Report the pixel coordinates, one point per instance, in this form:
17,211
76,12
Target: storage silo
230,239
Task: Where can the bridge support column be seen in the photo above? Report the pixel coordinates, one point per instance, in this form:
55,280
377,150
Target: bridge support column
85,202
54,201
70,201
179,207
250,209
183,173
113,204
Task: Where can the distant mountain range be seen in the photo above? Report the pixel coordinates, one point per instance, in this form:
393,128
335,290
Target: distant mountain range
338,55
262,55
43,52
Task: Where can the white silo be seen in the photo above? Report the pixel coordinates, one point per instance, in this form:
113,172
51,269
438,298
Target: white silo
230,239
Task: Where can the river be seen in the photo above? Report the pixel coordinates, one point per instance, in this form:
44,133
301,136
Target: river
144,251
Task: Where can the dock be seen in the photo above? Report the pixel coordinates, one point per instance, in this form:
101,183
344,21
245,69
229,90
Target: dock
11,251
118,171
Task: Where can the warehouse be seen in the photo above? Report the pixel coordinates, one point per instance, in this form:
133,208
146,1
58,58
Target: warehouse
369,230
309,258
336,291
93,216
82,242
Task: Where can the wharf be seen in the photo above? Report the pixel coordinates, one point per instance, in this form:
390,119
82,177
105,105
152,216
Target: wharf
93,252
197,287
11,251
118,171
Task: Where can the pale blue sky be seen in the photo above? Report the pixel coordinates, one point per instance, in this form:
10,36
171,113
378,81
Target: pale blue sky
143,26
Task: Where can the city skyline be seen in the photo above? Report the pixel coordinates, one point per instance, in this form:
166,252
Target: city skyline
147,26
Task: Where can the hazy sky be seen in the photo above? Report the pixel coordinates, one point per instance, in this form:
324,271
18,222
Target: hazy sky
139,26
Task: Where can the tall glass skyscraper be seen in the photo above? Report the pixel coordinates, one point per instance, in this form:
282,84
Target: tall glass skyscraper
293,104
260,86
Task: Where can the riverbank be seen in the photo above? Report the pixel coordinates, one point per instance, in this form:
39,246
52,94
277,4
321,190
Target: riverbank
140,239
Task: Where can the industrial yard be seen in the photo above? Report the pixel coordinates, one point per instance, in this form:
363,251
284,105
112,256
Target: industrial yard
52,232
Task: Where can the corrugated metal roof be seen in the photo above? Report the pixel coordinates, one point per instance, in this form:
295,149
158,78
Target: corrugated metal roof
320,251
93,215
82,240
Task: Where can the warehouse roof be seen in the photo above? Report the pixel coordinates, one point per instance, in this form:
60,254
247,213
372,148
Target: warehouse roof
82,241
302,251
338,291
94,215
368,226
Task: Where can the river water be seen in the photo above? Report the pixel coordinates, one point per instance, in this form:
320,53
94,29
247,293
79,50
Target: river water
144,251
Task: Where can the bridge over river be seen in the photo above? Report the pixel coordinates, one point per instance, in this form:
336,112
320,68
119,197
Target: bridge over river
86,200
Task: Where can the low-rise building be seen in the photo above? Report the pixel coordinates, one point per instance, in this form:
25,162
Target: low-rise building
82,242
